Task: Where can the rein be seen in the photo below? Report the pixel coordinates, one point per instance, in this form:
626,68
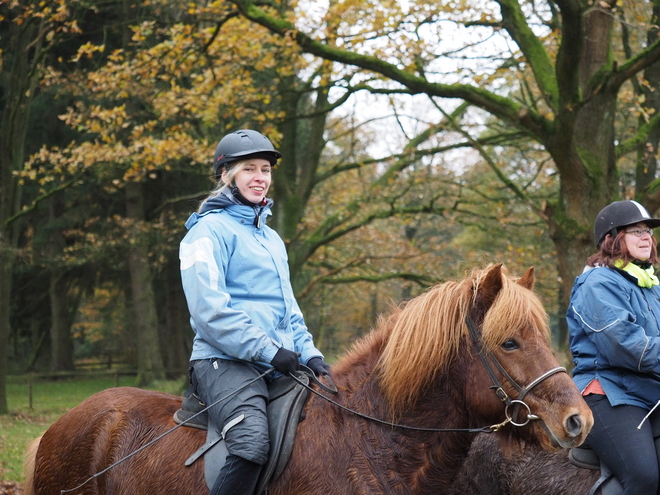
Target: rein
484,429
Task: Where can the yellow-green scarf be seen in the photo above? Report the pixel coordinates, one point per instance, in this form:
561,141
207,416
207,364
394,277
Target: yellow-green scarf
645,277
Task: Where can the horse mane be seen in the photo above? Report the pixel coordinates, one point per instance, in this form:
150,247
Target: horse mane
424,335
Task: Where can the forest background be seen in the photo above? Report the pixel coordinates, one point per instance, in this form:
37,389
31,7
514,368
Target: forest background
420,139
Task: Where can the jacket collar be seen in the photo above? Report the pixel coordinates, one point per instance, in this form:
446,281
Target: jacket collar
225,200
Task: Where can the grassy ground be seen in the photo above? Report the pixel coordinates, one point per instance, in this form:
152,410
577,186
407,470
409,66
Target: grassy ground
50,399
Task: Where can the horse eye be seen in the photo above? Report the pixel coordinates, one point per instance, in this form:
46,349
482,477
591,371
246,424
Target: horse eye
510,345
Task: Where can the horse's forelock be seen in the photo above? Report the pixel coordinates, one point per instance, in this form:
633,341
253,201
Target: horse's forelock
515,307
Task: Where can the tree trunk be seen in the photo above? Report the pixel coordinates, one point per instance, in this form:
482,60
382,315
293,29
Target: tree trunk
294,179
62,307
647,155
176,334
5,329
19,71
60,327
150,361
583,150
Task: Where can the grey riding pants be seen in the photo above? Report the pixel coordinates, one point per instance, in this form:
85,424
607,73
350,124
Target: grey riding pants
217,378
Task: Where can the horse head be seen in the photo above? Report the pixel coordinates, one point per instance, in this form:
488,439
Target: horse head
503,368
540,400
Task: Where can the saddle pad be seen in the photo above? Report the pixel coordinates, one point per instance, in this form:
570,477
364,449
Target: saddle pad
283,421
584,458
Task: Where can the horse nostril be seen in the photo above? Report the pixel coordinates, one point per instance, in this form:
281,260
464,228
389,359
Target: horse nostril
574,425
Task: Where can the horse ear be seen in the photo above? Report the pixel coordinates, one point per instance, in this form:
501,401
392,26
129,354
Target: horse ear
490,285
527,280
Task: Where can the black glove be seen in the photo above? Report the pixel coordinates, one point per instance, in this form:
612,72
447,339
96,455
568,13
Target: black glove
318,366
285,361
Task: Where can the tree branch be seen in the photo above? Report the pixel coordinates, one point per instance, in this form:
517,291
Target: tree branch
537,56
27,209
632,143
422,280
503,108
330,278
627,50
329,230
498,171
570,52
639,62
417,153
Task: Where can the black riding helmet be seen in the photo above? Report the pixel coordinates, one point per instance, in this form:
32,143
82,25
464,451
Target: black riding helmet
242,144
620,214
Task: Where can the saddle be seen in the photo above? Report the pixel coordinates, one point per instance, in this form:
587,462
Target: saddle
287,399
584,457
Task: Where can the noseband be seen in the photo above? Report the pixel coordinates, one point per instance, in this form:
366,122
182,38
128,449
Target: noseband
489,361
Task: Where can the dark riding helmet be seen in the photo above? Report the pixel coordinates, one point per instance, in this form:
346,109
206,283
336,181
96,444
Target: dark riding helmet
242,144
620,214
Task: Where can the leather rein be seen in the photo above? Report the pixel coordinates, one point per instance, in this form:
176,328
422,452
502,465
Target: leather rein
512,407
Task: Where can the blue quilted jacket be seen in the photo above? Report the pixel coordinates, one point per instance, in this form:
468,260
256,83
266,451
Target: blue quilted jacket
614,333
235,277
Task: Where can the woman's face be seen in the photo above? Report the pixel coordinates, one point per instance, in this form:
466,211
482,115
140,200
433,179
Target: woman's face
639,247
254,179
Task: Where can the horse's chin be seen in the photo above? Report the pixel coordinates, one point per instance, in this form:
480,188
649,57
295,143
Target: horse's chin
514,444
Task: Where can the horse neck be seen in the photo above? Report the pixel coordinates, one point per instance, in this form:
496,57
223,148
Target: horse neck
357,375
416,450
442,407
428,461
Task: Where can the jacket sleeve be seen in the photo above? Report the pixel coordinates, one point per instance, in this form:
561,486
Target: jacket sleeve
203,259
611,323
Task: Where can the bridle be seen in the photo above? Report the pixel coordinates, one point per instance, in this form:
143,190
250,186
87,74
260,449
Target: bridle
489,361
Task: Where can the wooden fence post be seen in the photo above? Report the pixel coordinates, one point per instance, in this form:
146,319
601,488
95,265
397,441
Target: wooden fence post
30,392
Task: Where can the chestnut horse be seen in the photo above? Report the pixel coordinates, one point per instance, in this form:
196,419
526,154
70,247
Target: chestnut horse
420,367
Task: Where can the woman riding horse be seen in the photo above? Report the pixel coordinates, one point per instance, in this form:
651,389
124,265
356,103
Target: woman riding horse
242,308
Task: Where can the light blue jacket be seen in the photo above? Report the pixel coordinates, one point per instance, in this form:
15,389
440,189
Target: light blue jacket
614,334
236,280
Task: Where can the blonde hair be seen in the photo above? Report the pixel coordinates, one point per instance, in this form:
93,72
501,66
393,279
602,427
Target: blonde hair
226,179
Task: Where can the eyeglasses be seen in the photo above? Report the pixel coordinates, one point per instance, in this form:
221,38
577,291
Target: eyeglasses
640,232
